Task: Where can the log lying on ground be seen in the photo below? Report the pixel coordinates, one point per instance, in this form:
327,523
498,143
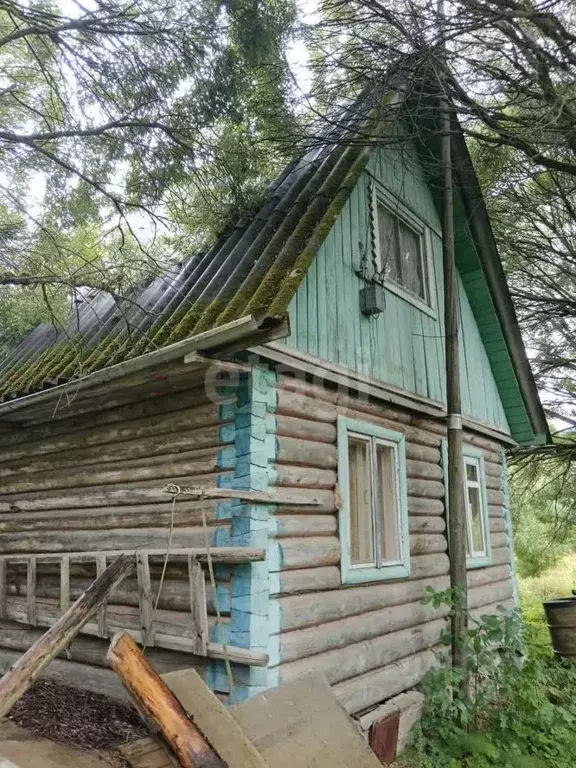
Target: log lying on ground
157,704
15,682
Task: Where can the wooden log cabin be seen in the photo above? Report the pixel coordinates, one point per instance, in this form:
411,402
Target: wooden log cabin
295,373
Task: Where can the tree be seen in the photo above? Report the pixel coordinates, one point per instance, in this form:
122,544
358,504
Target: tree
108,111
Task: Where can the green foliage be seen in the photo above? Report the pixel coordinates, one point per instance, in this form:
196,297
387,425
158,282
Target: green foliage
543,502
515,712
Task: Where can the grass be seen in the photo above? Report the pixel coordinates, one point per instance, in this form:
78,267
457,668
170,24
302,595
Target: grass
558,581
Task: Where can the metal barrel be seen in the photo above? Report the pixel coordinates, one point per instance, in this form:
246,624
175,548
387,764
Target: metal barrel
561,620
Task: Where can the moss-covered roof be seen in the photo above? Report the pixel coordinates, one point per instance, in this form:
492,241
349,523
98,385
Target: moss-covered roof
254,269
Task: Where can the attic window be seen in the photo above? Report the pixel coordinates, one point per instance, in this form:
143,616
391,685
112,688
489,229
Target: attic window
402,254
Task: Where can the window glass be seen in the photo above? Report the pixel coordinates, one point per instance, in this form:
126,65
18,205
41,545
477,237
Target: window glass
389,535
361,524
476,544
402,254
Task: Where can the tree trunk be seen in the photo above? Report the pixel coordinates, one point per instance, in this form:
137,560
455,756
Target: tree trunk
157,704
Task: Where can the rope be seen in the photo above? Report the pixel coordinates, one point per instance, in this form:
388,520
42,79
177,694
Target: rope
218,614
175,493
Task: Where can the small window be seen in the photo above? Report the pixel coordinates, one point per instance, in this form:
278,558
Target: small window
402,254
373,520
478,553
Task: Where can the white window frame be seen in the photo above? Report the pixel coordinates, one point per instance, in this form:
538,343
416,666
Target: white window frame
400,211
475,457
377,570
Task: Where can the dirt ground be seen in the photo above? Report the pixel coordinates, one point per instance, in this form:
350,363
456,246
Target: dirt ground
57,726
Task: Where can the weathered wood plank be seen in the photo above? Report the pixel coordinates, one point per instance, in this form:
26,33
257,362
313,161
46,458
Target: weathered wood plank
64,583
197,587
31,590
145,598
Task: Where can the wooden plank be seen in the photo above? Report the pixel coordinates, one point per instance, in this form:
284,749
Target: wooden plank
145,598
3,588
158,704
100,568
218,554
213,719
198,610
147,753
64,583
31,590
279,496
301,724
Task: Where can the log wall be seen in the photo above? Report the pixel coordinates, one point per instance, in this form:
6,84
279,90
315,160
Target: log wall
372,641
90,479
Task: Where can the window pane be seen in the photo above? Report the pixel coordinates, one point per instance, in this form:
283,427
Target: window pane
361,525
411,261
476,526
472,472
389,250
389,535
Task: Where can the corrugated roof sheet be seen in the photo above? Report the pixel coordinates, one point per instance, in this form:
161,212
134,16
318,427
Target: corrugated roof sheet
254,269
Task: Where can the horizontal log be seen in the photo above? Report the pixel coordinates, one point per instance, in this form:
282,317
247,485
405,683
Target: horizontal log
310,610
494,483
302,643
299,451
497,524
357,659
128,430
493,609
305,525
493,469
489,594
203,462
306,580
151,450
309,552
92,650
291,476
286,497
500,555
141,492
304,429
217,554
424,566
94,541
421,524
422,453
494,497
495,510
424,544
360,693
480,576
424,506
175,595
194,398
427,489
101,518
423,470
499,539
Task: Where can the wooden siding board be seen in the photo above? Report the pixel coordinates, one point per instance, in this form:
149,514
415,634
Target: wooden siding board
403,346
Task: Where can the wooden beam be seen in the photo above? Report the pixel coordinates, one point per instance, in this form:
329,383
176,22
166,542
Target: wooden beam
36,659
100,568
64,583
145,598
280,496
218,555
156,702
31,590
198,612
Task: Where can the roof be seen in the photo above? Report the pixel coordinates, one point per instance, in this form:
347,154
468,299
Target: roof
255,270
252,270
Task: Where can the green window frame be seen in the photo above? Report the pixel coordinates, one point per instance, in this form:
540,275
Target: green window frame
475,481
373,515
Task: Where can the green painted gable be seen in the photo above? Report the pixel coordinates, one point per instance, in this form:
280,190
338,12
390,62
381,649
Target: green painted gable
404,346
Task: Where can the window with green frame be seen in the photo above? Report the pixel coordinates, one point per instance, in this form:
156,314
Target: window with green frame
478,550
374,510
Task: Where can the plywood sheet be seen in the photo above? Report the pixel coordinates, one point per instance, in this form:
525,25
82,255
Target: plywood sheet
301,724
